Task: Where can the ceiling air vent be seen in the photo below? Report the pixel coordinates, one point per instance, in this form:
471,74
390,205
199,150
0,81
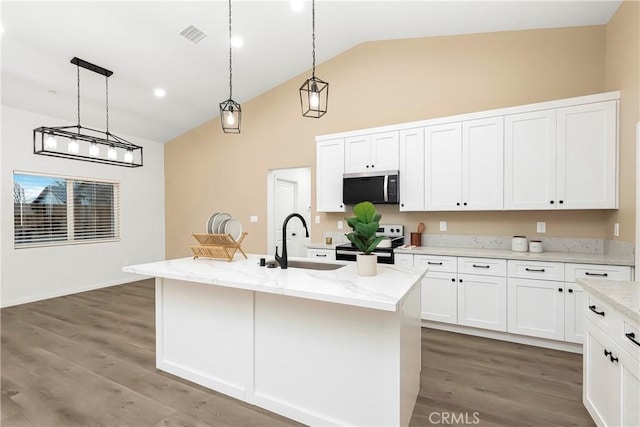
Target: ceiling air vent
193,34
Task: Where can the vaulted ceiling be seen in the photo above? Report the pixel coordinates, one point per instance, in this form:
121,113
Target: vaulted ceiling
141,44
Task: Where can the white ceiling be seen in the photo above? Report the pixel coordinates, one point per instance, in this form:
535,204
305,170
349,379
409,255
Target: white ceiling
139,42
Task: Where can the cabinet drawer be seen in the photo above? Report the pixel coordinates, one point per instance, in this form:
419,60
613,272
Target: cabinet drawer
601,314
482,266
403,259
630,340
324,254
596,271
536,270
444,264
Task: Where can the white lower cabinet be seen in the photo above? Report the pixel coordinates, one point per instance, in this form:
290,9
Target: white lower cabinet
573,316
482,301
439,288
611,379
536,308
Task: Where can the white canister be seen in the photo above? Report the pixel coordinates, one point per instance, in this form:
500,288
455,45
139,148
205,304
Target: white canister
535,246
519,244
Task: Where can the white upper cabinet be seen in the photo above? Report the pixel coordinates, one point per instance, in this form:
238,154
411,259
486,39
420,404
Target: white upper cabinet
412,170
587,156
562,158
443,167
329,170
374,152
464,165
482,164
530,160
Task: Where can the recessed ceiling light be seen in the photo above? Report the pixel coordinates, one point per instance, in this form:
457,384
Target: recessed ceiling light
296,5
237,41
160,93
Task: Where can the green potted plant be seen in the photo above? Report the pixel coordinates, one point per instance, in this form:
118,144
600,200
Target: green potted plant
365,224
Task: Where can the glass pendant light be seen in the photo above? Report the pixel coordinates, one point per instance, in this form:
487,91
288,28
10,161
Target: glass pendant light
51,143
314,93
128,156
112,154
230,111
74,147
94,151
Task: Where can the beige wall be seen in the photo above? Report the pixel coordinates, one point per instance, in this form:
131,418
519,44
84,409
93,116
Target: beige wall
623,73
375,84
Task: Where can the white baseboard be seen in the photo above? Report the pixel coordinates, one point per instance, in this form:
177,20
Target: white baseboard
505,336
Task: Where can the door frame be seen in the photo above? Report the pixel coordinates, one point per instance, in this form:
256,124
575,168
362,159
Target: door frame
303,187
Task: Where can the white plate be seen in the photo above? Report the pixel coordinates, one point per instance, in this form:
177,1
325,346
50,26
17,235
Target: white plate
233,227
209,226
217,222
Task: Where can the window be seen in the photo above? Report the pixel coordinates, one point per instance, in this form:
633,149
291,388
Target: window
54,210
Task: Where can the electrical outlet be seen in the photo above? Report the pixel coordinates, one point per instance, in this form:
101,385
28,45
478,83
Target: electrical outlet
616,229
317,219
340,225
253,218
443,225
541,227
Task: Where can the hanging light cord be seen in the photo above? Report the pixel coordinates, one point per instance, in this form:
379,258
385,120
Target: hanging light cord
106,83
230,68
313,36
78,75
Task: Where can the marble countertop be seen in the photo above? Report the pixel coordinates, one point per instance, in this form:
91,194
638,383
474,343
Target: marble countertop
573,257
321,246
381,292
621,295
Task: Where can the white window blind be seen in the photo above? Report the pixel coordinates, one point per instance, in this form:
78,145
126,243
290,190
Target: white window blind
50,210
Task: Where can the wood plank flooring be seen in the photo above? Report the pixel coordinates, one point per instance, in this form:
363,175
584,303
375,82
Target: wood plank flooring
88,359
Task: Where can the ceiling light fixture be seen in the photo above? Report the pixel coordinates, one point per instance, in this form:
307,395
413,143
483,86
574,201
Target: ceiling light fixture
84,143
237,41
230,111
159,92
314,93
296,5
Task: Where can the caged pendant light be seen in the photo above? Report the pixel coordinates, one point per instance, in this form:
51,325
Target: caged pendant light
230,111
87,144
314,93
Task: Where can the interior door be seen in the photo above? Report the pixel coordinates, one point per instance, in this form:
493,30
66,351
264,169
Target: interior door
286,203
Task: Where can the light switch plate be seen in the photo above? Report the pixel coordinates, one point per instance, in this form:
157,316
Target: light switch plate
616,229
253,218
541,227
317,219
340,225
443,225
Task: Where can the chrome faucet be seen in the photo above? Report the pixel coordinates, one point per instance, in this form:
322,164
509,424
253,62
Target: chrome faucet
282,260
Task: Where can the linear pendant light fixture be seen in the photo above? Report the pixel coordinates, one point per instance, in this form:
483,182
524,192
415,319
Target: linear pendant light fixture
87,144
314,93
230,111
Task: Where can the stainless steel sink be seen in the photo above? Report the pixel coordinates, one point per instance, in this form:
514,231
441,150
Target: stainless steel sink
310,265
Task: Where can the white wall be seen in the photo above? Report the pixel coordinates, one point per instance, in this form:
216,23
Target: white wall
38,273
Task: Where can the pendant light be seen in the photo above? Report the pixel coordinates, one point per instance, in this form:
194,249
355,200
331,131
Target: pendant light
87,144
230,111
314,93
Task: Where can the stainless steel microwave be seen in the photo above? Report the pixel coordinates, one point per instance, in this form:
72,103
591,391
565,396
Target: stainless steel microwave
375,187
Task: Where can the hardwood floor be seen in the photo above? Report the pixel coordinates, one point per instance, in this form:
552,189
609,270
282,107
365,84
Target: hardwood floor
89,360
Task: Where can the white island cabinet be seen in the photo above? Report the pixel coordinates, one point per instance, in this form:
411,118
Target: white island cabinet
320,347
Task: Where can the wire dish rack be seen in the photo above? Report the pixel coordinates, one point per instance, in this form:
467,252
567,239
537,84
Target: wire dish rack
221,246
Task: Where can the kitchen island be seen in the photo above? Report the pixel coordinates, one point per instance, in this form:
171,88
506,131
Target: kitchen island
320,347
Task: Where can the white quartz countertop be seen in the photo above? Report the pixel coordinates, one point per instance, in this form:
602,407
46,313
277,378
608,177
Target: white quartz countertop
343,286
572,257
621,295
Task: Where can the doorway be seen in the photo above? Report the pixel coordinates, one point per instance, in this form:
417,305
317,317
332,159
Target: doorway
288,191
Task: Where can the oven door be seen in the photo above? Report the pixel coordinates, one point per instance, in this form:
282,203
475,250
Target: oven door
384,257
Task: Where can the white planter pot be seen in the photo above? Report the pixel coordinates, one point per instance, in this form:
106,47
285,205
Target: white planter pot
367,264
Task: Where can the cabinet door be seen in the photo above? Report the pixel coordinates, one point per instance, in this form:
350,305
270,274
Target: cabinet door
482,301
329,170
440,297
443,167
412,170
536,308
482,164
601,378
357,154
530,160
385,151
630,390
573,314
587,150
